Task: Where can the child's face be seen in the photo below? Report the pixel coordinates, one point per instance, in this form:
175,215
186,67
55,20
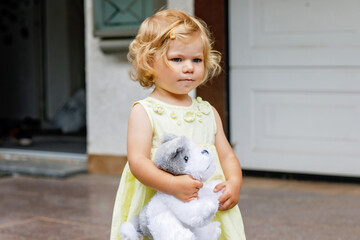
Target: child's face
186,71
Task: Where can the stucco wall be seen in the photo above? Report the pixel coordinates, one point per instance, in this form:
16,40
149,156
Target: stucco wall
110,92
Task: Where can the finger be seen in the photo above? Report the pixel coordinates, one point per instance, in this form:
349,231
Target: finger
219,187
192,198
226,206
199,184
223,198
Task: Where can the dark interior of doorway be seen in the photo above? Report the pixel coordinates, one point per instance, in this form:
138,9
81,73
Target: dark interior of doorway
42,75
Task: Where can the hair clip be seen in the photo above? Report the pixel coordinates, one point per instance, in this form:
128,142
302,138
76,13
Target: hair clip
172,34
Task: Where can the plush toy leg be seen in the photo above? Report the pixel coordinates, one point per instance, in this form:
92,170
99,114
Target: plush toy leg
211,231
128,232
196,213
166,227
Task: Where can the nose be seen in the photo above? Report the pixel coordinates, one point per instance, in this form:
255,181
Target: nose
188,67
204,152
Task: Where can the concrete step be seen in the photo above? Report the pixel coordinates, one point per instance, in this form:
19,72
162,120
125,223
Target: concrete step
56,169
39,163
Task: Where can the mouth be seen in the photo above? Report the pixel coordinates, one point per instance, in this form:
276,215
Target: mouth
186,80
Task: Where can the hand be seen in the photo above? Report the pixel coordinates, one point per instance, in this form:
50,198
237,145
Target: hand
184,187
230,196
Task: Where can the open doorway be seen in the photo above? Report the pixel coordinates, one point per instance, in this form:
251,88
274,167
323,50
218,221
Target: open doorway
42,76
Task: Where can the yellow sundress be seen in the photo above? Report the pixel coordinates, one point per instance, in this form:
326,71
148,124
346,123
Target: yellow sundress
197,122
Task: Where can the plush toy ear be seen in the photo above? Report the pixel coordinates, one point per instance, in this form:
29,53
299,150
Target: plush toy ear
167,156
167,137
175,153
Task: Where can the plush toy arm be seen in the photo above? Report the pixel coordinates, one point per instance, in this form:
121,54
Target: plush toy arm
207,191
195,213
212,184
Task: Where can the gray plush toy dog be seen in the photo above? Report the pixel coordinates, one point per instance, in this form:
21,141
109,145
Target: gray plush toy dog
165,217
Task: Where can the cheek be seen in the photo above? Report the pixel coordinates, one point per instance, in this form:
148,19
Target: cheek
202,66
166,72
201,71
173,68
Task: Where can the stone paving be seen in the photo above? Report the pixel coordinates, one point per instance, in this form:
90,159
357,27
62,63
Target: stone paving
80,208
288,209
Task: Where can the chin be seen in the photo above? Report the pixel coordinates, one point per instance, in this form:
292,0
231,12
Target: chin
182,92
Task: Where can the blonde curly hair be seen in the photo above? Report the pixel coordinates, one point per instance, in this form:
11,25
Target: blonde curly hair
153,38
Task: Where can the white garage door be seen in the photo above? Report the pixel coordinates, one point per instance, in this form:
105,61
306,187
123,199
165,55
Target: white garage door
295,85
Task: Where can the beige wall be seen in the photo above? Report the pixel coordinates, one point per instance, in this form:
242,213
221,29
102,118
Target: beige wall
110,92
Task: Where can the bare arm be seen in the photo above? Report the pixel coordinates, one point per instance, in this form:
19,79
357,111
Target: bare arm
231,168
139,140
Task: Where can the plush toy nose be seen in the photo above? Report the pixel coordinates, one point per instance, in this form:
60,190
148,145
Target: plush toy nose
204,152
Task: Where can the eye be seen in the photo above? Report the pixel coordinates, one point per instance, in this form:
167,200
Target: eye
176,59
197,60
204,152
186,158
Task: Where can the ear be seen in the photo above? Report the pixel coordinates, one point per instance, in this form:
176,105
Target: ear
175,153
167,137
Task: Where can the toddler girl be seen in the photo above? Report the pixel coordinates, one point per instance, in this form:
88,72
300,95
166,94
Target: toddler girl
173,53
